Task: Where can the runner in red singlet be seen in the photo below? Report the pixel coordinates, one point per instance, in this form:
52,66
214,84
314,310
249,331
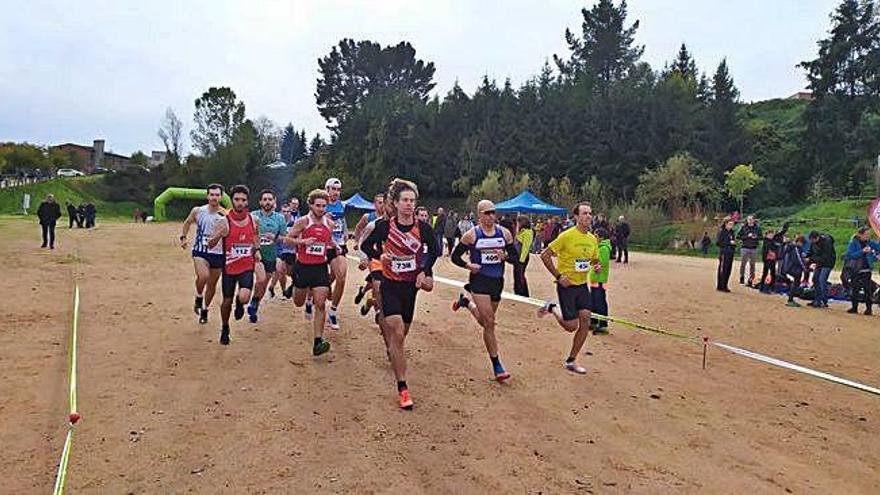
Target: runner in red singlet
399,243
312,236
241,248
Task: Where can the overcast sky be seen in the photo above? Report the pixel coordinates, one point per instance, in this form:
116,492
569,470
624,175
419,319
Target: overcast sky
75,71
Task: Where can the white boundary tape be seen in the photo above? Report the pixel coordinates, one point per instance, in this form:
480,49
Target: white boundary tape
735,350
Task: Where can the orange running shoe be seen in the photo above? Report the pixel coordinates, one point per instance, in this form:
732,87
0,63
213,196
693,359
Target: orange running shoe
405,400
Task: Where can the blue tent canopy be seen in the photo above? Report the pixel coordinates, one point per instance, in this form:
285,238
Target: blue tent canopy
526,202
358,202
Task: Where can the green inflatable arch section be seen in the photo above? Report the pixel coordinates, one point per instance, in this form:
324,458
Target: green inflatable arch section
173,193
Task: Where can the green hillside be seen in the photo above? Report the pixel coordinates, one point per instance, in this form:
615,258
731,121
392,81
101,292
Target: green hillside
77,190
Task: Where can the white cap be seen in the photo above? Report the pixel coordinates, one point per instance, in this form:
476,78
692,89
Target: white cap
334,182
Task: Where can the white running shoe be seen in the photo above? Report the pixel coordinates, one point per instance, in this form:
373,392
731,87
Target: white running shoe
333,318
575,368
308,310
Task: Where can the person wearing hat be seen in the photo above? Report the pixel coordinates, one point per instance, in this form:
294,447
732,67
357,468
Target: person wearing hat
338,265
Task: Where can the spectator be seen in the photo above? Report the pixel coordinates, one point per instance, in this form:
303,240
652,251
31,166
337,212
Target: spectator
793,267
599,280
137,215
822,254
464,225
557,229
80,216
726,243
859,260
770,253
525,238
71,213
705,243
90,212
440,227
547,231
508,223
49,212
450,230
749,234
622,231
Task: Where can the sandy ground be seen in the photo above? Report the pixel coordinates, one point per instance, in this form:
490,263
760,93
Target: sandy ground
167,409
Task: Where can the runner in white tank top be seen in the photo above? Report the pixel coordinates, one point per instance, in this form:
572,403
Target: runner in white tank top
207,261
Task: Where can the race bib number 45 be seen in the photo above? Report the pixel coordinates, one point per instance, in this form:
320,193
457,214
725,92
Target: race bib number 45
581,265
403,264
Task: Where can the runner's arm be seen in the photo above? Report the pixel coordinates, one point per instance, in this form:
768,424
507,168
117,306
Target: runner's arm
509,247
184,231
372,245
221,231
547,259
426,230
293,234
359,228
467,239
258,256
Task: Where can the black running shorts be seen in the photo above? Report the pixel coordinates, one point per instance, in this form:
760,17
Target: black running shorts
215,261
573,299
310,276
269,266
244,280
489,286
398,298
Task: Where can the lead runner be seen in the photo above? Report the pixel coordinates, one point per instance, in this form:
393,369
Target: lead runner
398,242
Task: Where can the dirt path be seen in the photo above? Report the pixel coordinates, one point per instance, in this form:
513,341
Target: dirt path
166,409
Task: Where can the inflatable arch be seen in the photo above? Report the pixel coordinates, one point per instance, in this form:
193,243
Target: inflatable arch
173,193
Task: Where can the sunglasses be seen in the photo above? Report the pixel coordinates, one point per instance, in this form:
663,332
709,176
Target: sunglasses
489,212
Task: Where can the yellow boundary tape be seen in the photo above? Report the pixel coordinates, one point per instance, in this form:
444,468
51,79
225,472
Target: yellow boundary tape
74,416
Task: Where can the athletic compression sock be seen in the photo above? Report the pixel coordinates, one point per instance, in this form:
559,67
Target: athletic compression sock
495,361
401,385
199,301
255,302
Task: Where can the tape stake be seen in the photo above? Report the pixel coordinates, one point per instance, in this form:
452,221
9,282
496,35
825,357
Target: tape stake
705,348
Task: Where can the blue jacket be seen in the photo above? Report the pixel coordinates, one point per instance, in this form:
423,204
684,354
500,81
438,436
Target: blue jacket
854,250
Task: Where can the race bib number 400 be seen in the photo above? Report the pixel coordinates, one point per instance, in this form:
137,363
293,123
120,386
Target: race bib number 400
241,250
403,264
581,265
316,249
490,258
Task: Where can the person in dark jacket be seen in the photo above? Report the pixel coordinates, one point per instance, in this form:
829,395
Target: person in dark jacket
859,258
749,234
49,212
770,253
822,254
793,267
726,243
622,232
71,214
90,212
705,244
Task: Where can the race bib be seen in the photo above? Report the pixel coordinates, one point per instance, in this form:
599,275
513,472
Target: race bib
266,240
490,257
241,250
403,264
316,249
581,265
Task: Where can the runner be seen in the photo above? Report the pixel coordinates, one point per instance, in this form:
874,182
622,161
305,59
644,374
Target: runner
207,262
272,227
488,245
286,254
577,250
241,247
398,243
338,264
361,230
312,236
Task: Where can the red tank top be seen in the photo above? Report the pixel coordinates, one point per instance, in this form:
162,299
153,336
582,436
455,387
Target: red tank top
405,253
239,246
315,254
